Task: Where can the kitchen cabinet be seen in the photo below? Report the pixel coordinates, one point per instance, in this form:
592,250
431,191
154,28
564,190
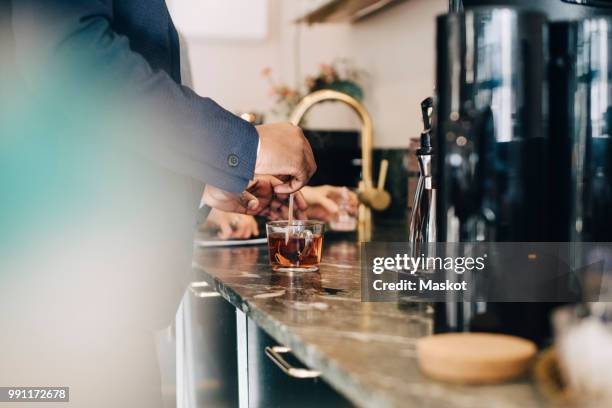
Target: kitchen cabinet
334,11
206,344
268,385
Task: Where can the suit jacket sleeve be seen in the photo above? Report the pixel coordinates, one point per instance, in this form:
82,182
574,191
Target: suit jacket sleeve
75,38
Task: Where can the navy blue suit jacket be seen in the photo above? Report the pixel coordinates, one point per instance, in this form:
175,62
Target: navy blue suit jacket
137,40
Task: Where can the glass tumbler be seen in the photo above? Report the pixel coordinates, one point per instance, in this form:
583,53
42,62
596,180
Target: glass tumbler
295,247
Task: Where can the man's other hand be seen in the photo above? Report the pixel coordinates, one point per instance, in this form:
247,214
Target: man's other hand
285,153
259,198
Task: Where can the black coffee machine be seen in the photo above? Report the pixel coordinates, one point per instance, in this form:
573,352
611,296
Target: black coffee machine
522,143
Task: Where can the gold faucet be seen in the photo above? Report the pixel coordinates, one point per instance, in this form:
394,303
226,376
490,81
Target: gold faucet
370,196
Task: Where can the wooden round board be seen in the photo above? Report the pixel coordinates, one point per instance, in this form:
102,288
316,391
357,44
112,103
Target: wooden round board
474,358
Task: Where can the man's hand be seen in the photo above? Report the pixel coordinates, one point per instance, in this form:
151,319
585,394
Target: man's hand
285,153
259,198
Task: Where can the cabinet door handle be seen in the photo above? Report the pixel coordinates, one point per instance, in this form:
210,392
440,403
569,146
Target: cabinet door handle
275,353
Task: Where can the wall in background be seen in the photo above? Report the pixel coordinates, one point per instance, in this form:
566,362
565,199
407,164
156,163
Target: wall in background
396,47
221,20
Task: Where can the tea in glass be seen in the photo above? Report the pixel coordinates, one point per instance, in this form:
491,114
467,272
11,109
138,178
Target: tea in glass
295,247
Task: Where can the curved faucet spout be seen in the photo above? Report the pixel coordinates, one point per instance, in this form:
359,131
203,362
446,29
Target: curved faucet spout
373,196
367,129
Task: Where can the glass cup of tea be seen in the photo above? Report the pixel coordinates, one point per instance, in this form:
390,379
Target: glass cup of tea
295,246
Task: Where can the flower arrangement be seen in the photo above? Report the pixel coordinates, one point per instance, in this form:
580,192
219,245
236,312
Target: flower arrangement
340,76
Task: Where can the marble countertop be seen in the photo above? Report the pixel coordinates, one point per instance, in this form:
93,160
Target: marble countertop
364,350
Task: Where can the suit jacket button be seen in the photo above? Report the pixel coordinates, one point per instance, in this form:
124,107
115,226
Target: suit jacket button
233,160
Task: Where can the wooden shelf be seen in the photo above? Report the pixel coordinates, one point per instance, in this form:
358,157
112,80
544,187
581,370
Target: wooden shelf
335,11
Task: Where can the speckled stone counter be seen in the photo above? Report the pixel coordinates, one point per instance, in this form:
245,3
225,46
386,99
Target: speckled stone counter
364,350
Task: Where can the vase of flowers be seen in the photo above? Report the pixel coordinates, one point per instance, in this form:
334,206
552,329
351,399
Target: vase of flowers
341,75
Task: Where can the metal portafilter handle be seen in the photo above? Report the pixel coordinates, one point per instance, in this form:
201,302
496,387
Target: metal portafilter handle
426,107
422,228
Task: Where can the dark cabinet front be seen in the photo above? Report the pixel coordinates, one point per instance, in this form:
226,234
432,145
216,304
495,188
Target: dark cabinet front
270,387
